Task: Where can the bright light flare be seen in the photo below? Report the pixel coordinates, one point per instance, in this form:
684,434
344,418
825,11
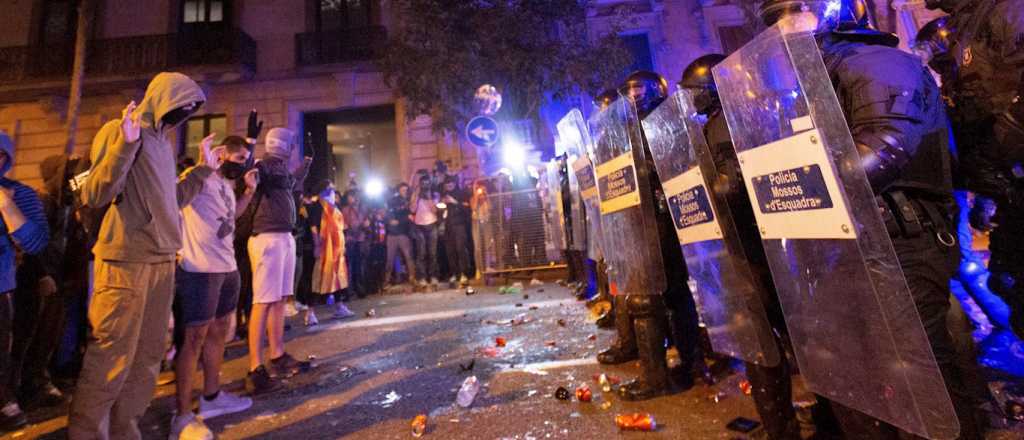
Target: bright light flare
374,188
513,154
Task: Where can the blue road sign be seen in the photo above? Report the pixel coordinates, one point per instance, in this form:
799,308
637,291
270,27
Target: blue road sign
482,131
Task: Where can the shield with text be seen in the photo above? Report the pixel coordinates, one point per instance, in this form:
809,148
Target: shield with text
856,332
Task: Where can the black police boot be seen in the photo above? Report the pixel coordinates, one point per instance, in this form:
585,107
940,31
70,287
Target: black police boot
649,322
691,360
624,348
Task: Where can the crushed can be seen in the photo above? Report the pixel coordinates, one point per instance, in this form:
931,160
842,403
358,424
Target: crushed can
583,394
499,341
636,422
562,394
419,425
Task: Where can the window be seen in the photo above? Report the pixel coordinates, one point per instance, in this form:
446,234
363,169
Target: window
58,23
640,47
203,11
199,127
333,15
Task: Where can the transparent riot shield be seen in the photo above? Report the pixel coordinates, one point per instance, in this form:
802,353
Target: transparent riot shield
856,332
577,229
550,192
630,240
585,212
729,297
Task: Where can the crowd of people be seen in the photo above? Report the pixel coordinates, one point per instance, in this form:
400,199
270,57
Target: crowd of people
118,250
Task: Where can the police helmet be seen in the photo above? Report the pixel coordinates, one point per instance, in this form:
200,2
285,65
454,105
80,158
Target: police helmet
605,98
698,78
646,89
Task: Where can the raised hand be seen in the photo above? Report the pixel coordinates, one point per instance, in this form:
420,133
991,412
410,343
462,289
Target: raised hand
130,127
254,127
207,156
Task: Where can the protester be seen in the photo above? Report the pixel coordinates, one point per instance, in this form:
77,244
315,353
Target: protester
272,254
355,234
208,284
24,228
376,250
330,272
47,282
305,259
133,172
456,232
424,206
399,229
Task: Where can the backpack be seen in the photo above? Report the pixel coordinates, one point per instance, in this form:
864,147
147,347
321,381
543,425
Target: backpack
92,217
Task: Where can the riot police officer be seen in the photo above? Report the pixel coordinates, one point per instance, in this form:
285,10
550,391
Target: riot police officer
894,111
987,96
647,90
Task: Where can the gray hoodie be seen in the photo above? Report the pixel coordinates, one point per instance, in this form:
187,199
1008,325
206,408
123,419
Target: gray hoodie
144,224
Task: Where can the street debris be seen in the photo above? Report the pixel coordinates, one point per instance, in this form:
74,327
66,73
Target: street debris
390,399
371,313
562,394
470,291
469,366
636,422
419,425
490,352
583,394
468,392
605,405
561,322
499,341
745,387
591,337
550,343
536,282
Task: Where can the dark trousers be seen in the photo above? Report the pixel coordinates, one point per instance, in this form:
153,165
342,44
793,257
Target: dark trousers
354,259
399,245
426,251
928,266
456,246
6,341
38,328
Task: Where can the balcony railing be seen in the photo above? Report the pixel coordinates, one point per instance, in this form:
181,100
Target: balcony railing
131,55
341,46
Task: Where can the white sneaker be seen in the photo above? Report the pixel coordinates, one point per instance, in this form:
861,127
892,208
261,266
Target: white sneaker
289,310
189,427
224,403
301,307
342,312
311,318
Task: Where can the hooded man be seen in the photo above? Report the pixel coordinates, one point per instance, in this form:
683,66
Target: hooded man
24,228
134,173
272,255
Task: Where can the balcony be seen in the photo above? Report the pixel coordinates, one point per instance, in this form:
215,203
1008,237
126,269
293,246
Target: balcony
130,56
341,46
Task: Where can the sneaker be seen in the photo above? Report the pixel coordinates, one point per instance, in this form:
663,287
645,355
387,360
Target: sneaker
189,427
463,280
45,396
289,310
453,280
224,403
311,318
342,312
287,366
330,300
12,417
301,307
259,381
423,283
434,281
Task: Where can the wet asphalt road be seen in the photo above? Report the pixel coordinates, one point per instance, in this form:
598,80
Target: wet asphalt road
373,375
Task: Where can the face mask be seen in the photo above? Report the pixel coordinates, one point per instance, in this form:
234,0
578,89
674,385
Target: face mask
232,170
179,115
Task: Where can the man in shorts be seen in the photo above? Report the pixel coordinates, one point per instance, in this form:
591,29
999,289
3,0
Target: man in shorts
272,253
207,284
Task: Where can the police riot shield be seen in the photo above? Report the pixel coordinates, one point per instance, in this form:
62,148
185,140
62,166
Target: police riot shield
585,210
631,248
577,227
855,330
729,297
550,190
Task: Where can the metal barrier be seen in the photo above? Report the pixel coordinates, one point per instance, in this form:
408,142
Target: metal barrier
510,234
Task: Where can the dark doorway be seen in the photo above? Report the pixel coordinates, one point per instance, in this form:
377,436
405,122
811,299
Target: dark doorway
359,144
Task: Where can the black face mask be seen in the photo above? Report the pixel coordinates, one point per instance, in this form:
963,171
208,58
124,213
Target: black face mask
232,170
179,115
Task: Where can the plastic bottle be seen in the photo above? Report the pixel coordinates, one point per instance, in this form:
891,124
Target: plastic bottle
468,392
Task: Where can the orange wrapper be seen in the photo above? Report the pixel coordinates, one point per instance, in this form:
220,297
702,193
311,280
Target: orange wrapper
745,387
636,422
499,341
419,425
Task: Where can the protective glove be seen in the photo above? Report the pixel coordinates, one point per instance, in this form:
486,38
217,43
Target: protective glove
254,127
981,214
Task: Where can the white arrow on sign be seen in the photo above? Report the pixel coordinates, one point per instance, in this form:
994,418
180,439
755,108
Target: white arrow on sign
482,133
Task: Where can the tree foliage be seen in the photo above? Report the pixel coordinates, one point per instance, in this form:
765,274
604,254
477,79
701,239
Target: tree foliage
531,50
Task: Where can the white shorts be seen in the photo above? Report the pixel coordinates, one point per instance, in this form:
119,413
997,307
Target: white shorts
273,266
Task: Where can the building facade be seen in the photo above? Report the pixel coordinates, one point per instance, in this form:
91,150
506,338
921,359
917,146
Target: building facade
304,64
